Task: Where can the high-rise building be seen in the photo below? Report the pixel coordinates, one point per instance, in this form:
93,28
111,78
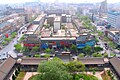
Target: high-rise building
103,8
114,19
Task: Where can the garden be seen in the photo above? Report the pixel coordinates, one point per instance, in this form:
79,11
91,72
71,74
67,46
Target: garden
55,69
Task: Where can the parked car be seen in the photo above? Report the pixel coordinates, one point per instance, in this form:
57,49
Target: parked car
4,55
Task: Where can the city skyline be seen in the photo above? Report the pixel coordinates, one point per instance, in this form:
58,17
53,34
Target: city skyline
67,1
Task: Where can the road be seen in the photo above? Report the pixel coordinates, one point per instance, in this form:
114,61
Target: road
10,47
103,46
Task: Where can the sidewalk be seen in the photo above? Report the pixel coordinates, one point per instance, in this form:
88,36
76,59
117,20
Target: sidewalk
29,74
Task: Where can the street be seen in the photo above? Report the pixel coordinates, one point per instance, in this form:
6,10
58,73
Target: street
10,47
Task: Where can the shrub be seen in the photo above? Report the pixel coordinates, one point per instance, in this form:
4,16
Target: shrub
16,73
19,69
13,77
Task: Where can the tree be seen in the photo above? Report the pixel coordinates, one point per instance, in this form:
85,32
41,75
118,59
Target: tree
65,49
53,70
94,54
94,72
88,50
75,66
73,48
81,55
18,47
97,49
48,50
35,49
4,43
100,33
19,69
16,73
13,34
105,55
25,49
7,39
13,77
47,55
99,55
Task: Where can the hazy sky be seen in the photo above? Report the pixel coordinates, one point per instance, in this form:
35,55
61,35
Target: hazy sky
80,1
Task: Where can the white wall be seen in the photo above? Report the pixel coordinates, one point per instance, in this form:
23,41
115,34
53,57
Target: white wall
56,26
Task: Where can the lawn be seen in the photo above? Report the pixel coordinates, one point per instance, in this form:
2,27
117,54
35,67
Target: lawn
86,77
83,76
20,76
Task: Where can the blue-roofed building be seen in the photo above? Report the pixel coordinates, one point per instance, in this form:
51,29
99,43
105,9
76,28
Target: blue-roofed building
85,40
114,19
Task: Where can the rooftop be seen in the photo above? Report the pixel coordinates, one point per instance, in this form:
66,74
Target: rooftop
57,18
116,64
6,66
52,15
91,60
32,61
58,38
4,24
39,17
114,13
32,28
114,32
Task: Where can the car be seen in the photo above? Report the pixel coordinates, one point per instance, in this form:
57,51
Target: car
4,55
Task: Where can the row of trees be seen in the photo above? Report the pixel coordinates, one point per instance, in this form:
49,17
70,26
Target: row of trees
87,50
7,40
20,48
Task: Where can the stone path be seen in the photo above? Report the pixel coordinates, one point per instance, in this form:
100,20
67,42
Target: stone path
29,74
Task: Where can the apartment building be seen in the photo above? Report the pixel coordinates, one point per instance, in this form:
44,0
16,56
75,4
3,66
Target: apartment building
114,19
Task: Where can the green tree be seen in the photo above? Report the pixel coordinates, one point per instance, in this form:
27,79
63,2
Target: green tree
35,49
4,43
88,50
19,69
47,55
99,55
100,33
22,38
74,67
18,47
14,34
16,73
48,50
112,45
73,48
25,49
94,72
97,49
94,54
81,55
105,55
13,77
7,39
53,70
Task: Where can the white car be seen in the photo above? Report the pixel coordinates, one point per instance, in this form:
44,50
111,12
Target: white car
4,55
